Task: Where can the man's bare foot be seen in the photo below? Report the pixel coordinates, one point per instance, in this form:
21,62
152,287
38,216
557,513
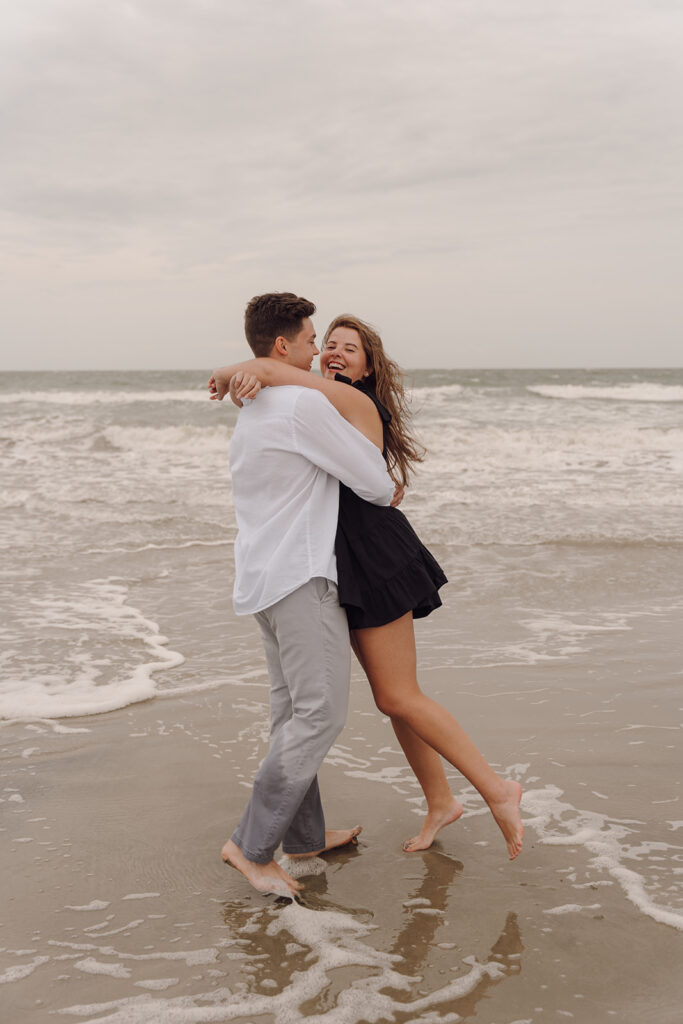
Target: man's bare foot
333,838
508,818
265,878
432,825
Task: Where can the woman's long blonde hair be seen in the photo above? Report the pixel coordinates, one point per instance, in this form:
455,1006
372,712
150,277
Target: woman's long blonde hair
386,379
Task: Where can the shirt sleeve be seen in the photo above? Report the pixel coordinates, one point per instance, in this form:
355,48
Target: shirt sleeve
325,438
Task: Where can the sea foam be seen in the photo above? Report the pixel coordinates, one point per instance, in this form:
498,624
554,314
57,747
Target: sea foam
78,687
635,392
85,398
335,940
558,823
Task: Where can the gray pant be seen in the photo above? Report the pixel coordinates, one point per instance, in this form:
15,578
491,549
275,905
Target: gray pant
306,639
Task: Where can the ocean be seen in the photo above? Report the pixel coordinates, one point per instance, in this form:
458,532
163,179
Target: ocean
113,483
554,501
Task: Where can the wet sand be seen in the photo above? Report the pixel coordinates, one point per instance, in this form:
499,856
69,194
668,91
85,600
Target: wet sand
120,909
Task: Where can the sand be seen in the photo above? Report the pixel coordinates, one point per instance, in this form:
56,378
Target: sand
119,908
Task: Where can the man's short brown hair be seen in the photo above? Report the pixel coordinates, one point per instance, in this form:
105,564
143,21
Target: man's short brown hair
277,314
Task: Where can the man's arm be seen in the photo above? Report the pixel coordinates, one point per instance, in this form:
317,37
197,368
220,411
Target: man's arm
324,437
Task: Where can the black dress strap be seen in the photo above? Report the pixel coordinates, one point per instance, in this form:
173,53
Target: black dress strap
360,385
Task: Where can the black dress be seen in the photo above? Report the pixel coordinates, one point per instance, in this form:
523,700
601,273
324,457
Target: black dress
384,570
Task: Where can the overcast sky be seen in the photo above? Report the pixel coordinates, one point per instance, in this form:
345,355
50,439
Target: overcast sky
491,182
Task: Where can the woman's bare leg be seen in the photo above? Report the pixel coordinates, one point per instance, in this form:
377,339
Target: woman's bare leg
442,806
388,656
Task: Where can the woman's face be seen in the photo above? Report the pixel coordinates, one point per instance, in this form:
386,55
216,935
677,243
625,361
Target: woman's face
344,353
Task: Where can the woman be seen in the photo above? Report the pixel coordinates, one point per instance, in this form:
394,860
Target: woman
386,576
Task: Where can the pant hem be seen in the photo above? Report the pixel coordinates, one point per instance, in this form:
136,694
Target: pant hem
255,858
304,849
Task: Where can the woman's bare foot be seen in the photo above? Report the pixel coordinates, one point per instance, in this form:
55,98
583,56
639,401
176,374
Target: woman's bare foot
333,839
436,820
508,818
265,878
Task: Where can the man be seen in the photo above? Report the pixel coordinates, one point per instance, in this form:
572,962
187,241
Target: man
288,453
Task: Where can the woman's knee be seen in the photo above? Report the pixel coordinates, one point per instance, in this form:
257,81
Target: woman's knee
394,705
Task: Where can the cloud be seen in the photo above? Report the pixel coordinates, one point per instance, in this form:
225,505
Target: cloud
323,136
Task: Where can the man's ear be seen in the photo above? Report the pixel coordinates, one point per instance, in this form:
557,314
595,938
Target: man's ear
280,345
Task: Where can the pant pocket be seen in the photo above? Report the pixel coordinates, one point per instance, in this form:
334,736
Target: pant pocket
328,592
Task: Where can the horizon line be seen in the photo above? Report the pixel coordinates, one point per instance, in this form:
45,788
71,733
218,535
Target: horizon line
406,369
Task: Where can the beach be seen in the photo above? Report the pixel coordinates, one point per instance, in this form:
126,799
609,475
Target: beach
134,708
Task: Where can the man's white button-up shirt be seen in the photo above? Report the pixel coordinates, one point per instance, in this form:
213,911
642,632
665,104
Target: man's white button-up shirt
288,453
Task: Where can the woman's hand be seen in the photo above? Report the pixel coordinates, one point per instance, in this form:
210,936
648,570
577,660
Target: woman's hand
247,385
218,386
399,494
252,374
243,385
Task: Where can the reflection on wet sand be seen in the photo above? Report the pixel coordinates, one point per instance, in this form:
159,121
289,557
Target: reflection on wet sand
424,909
315,956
